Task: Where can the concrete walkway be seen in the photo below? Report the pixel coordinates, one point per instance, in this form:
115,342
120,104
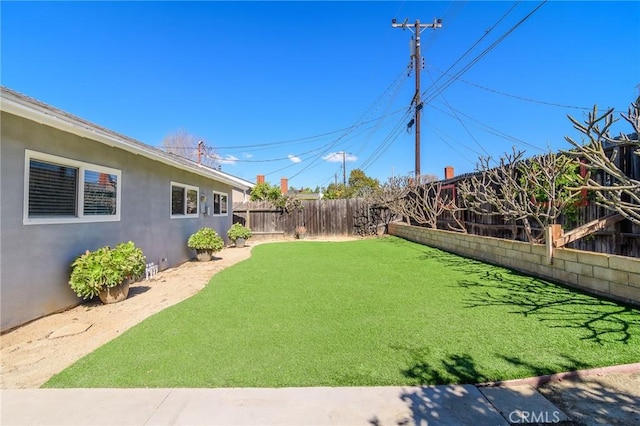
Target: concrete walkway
431,405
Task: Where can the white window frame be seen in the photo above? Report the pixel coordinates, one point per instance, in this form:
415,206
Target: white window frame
221,194
186,189
82,167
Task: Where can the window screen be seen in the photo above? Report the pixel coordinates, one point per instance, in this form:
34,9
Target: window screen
177,200
100,190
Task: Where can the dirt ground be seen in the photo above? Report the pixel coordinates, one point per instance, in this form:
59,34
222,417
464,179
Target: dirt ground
599,399
34,352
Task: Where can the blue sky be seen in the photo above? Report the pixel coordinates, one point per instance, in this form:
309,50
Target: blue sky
278,88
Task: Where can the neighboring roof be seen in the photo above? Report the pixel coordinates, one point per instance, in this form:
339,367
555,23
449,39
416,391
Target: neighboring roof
304,195
32,109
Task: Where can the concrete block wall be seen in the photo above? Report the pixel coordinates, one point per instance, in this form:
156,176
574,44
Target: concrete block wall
615,277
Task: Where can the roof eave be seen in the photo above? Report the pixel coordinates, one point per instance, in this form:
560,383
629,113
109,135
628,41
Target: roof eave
25,108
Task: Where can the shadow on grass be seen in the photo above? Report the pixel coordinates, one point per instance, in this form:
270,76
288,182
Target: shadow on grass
602,321
569,364
454,369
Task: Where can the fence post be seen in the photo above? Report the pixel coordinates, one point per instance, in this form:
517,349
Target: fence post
551,234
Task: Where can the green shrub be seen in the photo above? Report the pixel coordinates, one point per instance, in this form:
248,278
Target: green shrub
205,239
106,267
238,230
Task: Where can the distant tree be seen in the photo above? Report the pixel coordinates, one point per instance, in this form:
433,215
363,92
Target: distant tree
265,192
360,183
271,193
613,189
184,144
335,191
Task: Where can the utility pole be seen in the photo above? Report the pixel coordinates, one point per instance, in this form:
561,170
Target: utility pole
200,149
417,61
344,169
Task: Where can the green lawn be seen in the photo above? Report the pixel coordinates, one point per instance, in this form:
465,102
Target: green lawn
363,313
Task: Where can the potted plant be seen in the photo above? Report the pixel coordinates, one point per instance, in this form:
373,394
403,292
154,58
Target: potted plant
301,232
239,234
205,241
107,272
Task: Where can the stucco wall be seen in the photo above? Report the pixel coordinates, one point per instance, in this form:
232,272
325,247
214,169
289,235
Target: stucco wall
616,277
35,259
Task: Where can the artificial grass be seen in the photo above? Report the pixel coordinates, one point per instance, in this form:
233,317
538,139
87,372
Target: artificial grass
363,313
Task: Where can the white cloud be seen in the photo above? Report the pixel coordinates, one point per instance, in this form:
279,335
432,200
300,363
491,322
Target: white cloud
336,157
294,158
247,155
229,159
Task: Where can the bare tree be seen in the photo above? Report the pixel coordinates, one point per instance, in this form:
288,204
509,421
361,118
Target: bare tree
184,144
519,190
613,188
392,195
427,203
452,211
423,203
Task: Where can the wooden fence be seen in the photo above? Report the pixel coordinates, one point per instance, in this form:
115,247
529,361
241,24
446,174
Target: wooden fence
321,217
622,238
355,217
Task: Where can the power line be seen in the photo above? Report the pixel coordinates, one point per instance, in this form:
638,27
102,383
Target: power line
475,60
392,96
314,162
386,142
486,33
358,123
464,126
522,98
491,130
441,135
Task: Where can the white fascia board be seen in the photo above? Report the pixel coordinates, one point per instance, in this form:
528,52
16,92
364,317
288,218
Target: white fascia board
26,109
238,183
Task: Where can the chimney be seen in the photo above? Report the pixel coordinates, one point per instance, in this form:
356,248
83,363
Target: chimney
284,185
448,172
259,179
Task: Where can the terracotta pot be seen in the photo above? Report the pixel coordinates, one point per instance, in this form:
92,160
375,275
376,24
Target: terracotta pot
115,294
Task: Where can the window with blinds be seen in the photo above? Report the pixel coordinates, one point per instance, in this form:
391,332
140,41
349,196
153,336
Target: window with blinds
59,190
53,189
184,200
